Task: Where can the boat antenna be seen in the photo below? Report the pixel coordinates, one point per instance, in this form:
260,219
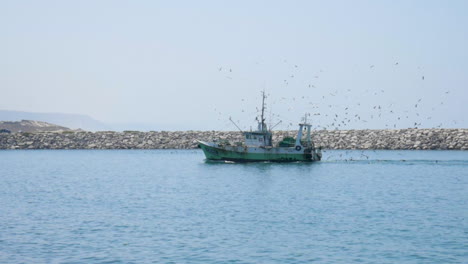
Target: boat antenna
305,117
230,119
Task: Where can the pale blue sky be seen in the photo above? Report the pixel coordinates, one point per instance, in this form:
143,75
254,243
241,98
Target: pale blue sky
157,62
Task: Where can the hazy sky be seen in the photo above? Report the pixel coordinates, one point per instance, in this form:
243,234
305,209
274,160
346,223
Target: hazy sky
192,64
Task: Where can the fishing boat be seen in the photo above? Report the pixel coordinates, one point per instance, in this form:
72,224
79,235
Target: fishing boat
258,145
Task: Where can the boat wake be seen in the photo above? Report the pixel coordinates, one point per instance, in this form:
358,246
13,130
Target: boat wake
399,162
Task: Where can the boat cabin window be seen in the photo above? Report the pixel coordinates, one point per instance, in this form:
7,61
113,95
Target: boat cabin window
252,139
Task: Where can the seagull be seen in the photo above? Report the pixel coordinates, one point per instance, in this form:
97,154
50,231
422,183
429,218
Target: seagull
396,63
423,78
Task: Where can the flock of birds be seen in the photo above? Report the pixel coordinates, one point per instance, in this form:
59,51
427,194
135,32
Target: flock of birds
330,116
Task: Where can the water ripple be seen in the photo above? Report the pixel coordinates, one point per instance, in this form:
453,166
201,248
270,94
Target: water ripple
172,207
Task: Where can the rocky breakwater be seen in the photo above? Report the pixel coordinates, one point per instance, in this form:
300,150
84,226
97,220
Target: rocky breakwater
110,139
422,139
456,139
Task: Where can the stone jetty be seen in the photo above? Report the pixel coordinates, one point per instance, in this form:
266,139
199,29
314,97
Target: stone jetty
454,139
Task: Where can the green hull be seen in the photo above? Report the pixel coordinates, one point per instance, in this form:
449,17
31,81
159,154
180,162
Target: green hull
258,154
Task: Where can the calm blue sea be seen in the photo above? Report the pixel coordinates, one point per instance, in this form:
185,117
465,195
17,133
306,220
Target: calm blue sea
165,206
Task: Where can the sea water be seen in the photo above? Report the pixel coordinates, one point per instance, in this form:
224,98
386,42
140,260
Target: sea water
166,206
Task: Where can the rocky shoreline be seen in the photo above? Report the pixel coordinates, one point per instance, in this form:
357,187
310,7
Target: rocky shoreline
453,139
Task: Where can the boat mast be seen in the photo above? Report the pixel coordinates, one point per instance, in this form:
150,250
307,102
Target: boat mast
263,111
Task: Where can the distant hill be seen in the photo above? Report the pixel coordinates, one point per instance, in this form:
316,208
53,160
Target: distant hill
30,126
73,121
